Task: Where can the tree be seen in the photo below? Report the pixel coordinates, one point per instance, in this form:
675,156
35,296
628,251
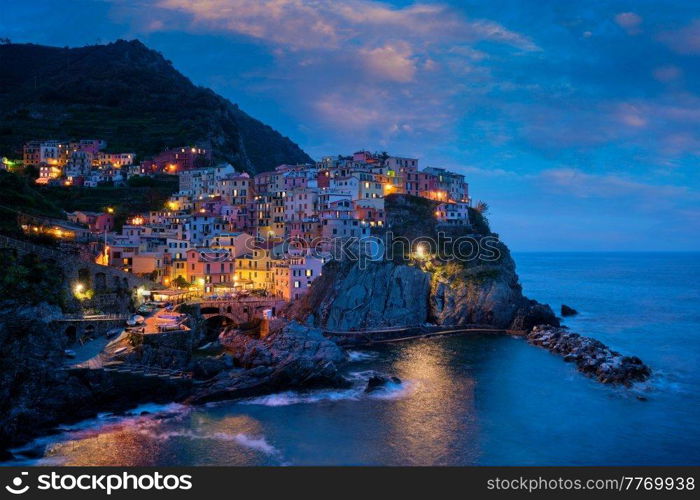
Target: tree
180,282
482,207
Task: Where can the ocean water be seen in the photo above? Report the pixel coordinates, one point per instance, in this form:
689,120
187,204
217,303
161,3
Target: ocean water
476,399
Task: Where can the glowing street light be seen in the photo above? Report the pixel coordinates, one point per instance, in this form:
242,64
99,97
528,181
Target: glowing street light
79,288
421,252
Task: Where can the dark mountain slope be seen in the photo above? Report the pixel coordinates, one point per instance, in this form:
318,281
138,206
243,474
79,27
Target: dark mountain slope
130,96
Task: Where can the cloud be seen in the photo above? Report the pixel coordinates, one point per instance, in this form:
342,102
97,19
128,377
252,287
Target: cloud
668,73
391,62
379,70
631,115
378,116
580,184
323,24
685,40
630,22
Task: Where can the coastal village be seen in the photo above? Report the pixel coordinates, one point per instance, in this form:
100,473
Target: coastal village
226,233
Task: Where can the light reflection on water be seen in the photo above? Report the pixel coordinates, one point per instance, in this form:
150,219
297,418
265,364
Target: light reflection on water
427,427
490,400
166,438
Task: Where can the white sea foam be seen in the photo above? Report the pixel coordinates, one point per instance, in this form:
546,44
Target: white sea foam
255,443
393,391
292,398
354,356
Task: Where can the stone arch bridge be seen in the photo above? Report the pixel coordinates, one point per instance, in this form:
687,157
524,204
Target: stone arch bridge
73,328
239,311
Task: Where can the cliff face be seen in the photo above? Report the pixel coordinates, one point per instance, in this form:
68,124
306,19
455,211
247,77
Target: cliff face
36,392
485,295
389,295
30,372
410,292
384,294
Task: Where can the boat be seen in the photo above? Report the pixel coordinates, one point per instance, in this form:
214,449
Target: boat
135,319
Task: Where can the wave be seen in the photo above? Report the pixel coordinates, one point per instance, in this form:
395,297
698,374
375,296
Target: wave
257,443
254,443
292,397
391,390
354,356
663,382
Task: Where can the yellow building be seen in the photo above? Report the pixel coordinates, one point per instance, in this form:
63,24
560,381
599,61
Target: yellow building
254,270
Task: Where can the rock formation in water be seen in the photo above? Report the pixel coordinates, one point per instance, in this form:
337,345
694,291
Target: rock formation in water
292,357
568,311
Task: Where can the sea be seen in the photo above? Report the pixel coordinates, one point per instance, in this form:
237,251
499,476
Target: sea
463,400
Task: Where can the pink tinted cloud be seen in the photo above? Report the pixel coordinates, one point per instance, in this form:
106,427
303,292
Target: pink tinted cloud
359,65
630,22
323,24
391,62
685,40
667,74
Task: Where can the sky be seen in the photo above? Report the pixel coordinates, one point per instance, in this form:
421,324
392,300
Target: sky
577,122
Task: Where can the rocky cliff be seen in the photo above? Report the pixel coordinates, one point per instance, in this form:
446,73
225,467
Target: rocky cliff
437,286
29,369
37,392
292,357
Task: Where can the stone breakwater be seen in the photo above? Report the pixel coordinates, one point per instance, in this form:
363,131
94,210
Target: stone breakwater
591,356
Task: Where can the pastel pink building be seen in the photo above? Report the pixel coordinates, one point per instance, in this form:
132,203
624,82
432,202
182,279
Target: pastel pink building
209,267
97,222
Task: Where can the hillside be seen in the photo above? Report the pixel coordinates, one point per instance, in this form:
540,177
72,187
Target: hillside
130,96
18,194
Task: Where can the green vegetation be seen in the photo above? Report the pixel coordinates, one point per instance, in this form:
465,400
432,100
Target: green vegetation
17,194
124,201
30,280
130,96
180,282
411,217
479,221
